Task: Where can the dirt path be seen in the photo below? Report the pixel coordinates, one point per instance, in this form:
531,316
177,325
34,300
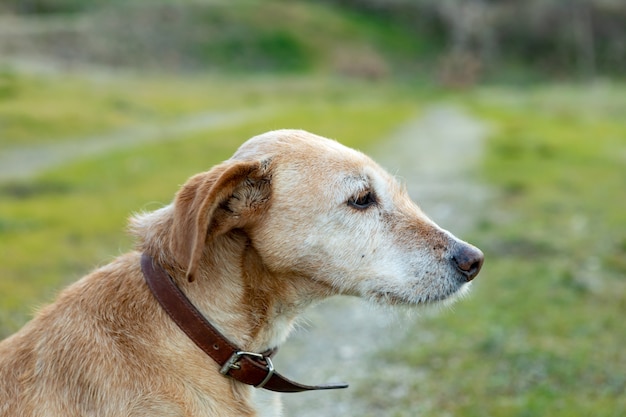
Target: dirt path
22,162
435,155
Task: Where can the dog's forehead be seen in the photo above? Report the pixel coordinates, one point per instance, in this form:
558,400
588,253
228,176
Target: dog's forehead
306,166
298,150
288,142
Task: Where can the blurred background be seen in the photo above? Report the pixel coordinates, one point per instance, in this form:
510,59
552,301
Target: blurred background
506,120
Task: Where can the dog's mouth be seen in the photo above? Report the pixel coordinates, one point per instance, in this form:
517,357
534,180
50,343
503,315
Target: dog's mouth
408,299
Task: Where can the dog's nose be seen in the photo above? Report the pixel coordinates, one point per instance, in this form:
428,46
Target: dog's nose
468,260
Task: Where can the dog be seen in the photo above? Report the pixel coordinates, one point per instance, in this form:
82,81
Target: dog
291,219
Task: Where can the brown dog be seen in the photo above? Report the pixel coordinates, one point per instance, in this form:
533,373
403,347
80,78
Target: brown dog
290,219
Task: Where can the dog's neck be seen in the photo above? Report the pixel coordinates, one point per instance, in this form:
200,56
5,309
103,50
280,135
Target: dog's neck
252,306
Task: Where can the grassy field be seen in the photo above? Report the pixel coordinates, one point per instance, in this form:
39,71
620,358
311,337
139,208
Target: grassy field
542,333
40,110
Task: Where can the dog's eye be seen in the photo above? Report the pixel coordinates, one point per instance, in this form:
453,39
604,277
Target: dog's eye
362,201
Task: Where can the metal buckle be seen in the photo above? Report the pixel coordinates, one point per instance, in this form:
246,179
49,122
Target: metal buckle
233,363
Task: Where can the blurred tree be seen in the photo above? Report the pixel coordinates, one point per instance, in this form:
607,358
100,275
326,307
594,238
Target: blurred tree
47,6
463,41
565,38
584,35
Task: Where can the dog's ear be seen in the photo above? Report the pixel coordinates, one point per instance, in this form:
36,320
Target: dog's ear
229,196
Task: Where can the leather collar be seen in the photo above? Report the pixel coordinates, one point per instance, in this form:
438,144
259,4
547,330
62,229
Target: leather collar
247,367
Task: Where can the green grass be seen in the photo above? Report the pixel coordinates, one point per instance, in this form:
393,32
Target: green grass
543,332
43,110
36,110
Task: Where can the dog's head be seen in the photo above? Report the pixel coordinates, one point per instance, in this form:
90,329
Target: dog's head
313,208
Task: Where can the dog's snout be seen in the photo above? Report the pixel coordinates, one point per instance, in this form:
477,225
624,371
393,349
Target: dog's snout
468,260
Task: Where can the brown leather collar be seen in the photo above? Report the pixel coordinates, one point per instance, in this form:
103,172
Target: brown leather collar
248,367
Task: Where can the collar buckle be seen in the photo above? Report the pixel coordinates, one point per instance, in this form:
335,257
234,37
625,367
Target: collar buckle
233,363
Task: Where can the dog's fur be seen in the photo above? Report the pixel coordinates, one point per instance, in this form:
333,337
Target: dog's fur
252,242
